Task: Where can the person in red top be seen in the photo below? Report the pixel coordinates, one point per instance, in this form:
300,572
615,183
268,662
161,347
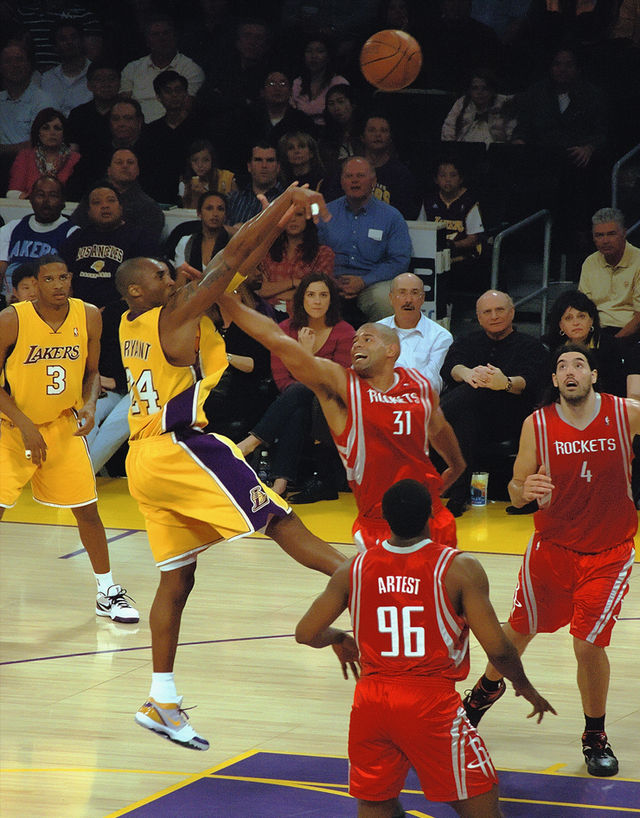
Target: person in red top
317,326
575,461
382,419
412,602
294,254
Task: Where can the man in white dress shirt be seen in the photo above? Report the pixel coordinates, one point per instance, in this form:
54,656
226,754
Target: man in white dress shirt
138,75
423,342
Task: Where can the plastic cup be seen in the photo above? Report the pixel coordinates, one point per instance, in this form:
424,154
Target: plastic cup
479,484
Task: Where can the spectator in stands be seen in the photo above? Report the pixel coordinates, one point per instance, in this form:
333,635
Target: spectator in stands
24,283
295,254
340,137
138,75
199,247
493,377
272,116
49,154
300,160
573,318
627,23
66,83
125,128
371,242
20,101
208,31
481,115
39,18
246,388
395,184
611,278
316,325
89,122
457,207
202,175
263,168
94,252
423,342
137,208
34,235
309,90
165,141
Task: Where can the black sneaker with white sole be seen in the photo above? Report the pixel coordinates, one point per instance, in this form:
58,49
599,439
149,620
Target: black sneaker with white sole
598,754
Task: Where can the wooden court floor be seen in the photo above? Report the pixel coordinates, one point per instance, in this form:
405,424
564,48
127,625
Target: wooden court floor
70,682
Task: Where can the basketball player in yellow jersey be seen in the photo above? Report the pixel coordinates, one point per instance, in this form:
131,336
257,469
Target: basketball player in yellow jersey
195,489
49,351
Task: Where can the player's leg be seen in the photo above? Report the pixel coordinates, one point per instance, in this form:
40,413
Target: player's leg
480,806
491,686
298,542
162,712
593,683
111,599
392,808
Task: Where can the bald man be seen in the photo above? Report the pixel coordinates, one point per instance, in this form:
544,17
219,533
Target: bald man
423,342
382,419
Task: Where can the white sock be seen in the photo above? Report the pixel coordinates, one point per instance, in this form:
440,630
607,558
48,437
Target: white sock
104,581
163,688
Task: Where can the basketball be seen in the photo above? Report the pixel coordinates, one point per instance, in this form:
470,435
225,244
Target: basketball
391,59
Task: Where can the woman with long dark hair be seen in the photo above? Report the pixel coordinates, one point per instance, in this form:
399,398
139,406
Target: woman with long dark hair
573,318
198,248
49,155
316,325
482,114
309,90
294,254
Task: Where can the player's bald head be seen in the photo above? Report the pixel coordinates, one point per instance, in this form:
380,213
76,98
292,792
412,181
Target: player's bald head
130,271
387,335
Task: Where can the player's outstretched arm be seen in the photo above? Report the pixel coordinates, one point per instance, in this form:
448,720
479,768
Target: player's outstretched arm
33,441
633,412
469,581
314,629
246,248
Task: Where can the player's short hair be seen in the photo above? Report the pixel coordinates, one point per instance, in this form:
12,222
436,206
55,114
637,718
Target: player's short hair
406,506
50,258
573,347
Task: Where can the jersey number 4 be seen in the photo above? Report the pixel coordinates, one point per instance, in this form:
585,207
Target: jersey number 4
397,623
143,391
585,472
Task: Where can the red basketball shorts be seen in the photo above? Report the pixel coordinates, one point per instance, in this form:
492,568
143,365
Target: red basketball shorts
403,723
369,532
557,587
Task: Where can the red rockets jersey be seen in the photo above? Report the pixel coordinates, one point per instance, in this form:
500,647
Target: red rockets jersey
386,439
402,617
591,507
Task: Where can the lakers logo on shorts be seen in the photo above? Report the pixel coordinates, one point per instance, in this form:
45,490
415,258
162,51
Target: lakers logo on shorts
258,498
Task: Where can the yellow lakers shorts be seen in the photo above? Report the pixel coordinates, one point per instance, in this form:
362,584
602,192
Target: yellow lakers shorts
196,489
65,479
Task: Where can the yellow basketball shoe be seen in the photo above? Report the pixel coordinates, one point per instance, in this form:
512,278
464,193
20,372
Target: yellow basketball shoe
170,721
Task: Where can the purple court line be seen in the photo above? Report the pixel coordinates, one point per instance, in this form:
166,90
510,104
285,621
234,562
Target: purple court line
109,539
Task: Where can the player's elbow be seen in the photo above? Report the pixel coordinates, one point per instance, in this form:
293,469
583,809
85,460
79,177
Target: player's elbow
304,634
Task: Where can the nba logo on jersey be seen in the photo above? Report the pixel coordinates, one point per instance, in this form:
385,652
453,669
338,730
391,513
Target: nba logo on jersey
606,419
75,331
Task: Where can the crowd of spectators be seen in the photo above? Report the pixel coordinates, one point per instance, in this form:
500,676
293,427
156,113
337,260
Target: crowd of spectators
131,109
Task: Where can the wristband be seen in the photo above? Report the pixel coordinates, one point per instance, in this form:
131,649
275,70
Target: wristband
509,385
235,282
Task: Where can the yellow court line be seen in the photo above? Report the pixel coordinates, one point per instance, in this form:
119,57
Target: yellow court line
189,780
572,806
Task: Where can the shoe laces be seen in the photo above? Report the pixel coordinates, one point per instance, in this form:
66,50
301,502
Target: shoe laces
120,599
595,740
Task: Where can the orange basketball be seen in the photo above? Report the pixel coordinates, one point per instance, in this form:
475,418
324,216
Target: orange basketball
391,59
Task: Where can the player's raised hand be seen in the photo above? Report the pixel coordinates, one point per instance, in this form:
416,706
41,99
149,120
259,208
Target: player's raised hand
537,486
348,656
186,273
540,704
307,201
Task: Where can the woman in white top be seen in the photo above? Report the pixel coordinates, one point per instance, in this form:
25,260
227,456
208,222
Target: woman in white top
481,115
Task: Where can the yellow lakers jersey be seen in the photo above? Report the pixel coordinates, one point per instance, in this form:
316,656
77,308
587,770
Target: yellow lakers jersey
158,389
45,369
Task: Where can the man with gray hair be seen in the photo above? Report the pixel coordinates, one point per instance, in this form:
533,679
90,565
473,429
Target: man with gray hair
611,276
423,342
